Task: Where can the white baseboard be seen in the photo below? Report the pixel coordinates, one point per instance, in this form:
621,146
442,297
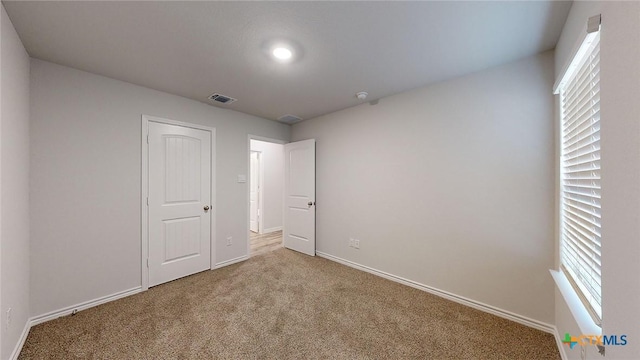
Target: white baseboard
21,341
273,229
83,306
230,262
447,295
556,335
67,311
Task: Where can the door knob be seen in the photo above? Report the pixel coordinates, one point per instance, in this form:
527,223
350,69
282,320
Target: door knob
311,203
206,208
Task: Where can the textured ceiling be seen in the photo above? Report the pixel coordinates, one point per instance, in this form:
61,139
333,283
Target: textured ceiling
194,49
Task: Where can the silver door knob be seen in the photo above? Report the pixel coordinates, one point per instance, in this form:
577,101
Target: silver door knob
206,208
311,203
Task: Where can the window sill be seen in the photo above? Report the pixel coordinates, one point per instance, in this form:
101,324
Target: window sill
578,310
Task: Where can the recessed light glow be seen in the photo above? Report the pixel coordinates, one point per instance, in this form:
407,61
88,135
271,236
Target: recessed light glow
282,53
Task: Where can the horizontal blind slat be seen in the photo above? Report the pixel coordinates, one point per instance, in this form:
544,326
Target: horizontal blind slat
592,145
580,252
591,205
589,94
580,121
591,210
582,134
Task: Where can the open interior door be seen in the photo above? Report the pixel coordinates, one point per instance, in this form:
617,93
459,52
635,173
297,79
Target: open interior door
300,196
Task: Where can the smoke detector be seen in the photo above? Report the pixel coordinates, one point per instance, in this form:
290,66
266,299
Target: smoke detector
223,99
289,119
362,95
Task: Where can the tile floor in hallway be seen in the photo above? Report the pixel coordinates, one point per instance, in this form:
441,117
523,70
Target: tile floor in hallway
262,243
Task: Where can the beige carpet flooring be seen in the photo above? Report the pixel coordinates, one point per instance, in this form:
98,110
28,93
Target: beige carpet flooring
284,305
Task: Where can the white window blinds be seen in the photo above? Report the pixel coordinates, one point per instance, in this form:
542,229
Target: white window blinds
580,254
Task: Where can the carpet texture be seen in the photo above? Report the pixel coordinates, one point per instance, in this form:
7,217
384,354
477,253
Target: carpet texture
284,305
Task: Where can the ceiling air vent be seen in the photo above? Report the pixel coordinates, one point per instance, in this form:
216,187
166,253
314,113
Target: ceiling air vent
289,119
223,99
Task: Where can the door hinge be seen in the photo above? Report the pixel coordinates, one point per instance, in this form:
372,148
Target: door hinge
147,138
147,262
147,201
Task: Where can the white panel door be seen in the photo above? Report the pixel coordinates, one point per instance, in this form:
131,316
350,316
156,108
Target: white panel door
179,202
254,188
300,196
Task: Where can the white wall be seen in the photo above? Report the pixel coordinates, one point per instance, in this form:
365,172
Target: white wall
14,180
620,143
273,190
85,180
451,185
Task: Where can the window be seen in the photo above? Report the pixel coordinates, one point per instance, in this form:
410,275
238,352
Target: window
580,225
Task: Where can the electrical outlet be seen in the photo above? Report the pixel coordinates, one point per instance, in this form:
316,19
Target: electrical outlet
8,322
229,240
350,242
356,243
583,353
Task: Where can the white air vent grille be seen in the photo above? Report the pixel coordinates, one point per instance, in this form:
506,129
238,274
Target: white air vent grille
289,119
223,99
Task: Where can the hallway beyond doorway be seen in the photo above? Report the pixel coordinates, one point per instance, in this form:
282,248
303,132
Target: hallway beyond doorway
263,243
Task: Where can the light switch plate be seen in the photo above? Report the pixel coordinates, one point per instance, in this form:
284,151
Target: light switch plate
242,178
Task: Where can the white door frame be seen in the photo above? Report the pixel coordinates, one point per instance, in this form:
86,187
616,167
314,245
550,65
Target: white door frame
260,187
260,226
144,205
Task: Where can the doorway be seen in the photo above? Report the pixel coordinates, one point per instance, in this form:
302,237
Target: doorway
255,184
266,195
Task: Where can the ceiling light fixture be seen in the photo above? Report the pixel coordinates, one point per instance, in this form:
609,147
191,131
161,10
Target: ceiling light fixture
362,95
282,53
